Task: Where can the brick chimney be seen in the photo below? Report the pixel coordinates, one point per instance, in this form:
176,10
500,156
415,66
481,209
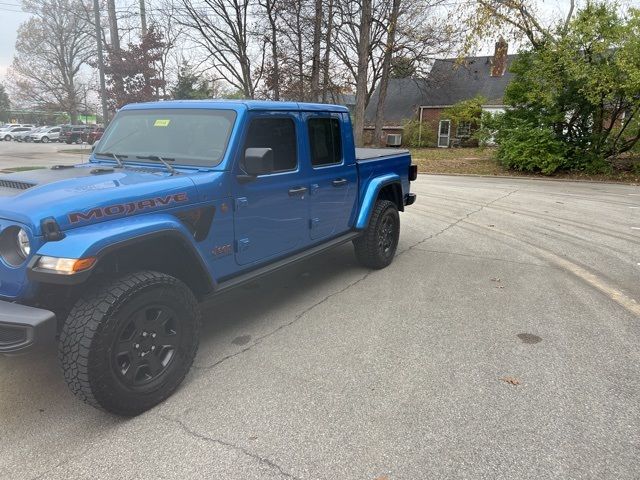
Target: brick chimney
499,61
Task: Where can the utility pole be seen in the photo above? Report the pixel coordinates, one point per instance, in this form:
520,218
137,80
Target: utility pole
143,18
103,89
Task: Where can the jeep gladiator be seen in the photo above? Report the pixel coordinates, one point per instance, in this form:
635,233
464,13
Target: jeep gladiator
180,200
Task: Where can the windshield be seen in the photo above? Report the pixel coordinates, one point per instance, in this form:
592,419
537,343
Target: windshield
187,136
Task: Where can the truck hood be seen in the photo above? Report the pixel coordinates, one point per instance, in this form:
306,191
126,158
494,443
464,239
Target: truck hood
90,193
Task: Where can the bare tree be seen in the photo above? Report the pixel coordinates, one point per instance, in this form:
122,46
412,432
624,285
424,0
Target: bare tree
221,28
326,79
386,68
315,62
272,12
51,49
361,76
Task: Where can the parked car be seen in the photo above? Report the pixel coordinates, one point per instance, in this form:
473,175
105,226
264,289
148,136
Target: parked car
72,134
8,126
48,134
180,202
21,136
8,135
92,135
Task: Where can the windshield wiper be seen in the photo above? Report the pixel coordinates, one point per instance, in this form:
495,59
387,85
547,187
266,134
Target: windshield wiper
156,158
116,156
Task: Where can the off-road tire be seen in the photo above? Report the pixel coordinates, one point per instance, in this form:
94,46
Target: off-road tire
87,348
372,251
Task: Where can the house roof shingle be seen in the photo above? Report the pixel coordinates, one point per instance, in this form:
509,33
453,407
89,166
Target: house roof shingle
447,83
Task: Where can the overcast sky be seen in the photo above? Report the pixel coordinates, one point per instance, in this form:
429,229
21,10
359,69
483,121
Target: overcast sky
11,17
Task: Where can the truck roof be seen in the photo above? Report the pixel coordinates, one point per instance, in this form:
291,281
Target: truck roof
238,105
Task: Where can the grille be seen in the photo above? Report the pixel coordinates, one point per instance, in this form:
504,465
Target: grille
12,335
16,185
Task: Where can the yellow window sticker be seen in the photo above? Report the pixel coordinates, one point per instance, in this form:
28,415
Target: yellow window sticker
162,123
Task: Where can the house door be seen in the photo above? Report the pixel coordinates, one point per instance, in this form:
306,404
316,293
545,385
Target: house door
444,133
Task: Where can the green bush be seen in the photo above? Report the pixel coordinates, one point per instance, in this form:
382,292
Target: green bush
527,147
411,136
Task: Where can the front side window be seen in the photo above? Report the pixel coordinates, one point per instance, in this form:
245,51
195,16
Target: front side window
278,134
325,141
195,137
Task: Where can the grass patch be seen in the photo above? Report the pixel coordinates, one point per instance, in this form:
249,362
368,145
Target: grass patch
482,161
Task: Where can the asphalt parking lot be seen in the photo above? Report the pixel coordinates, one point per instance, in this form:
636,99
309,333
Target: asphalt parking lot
18,154
502,343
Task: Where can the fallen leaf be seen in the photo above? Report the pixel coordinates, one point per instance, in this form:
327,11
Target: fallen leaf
499,286
495,279
492,225
511,380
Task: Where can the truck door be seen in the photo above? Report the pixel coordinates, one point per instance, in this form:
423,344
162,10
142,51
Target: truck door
271,215
334,184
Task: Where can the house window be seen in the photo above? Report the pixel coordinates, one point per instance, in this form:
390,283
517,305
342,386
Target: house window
463,130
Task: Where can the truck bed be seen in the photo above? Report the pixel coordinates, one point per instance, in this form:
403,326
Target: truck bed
365,154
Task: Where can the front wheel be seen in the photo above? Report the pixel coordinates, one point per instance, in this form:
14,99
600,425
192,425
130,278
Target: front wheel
129,342
376,247
45,140
7,138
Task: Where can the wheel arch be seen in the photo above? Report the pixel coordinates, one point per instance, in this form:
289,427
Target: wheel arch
385,187
165,252
161,244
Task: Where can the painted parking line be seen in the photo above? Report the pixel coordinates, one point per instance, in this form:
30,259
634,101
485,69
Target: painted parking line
635,228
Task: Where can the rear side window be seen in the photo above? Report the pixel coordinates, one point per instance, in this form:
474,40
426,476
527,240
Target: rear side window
325,141
278,134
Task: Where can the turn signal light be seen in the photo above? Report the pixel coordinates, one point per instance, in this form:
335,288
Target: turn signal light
65,266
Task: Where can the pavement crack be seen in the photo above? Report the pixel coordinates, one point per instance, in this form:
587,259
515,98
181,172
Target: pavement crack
195,434
460,220
296,319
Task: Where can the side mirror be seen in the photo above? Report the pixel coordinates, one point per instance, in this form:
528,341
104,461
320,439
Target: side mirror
258,161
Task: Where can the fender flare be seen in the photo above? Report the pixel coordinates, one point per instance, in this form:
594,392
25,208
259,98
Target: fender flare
371,195
99,240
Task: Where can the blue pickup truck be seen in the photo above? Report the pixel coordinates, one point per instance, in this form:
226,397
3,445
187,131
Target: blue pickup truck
179,201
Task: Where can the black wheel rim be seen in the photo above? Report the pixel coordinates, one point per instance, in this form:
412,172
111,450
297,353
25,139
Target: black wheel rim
146,345
387,235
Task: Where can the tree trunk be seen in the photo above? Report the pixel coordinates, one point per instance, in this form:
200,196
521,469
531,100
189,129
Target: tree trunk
325,64
301,94
386,67
114,35
361,79
315,62
274,49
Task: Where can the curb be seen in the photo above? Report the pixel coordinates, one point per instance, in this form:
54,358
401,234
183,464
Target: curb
525,177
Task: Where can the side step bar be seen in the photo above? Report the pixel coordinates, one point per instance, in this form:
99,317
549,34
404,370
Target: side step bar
277,265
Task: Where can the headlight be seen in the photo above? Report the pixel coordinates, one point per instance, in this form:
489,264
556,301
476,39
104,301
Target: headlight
15,245
24,247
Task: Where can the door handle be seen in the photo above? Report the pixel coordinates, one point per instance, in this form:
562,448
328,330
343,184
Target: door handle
339,182
297,191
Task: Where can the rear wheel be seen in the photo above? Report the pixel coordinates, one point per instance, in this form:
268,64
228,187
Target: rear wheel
78,141
129,342
376,247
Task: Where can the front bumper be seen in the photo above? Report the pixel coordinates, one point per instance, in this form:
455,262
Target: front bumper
23,327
